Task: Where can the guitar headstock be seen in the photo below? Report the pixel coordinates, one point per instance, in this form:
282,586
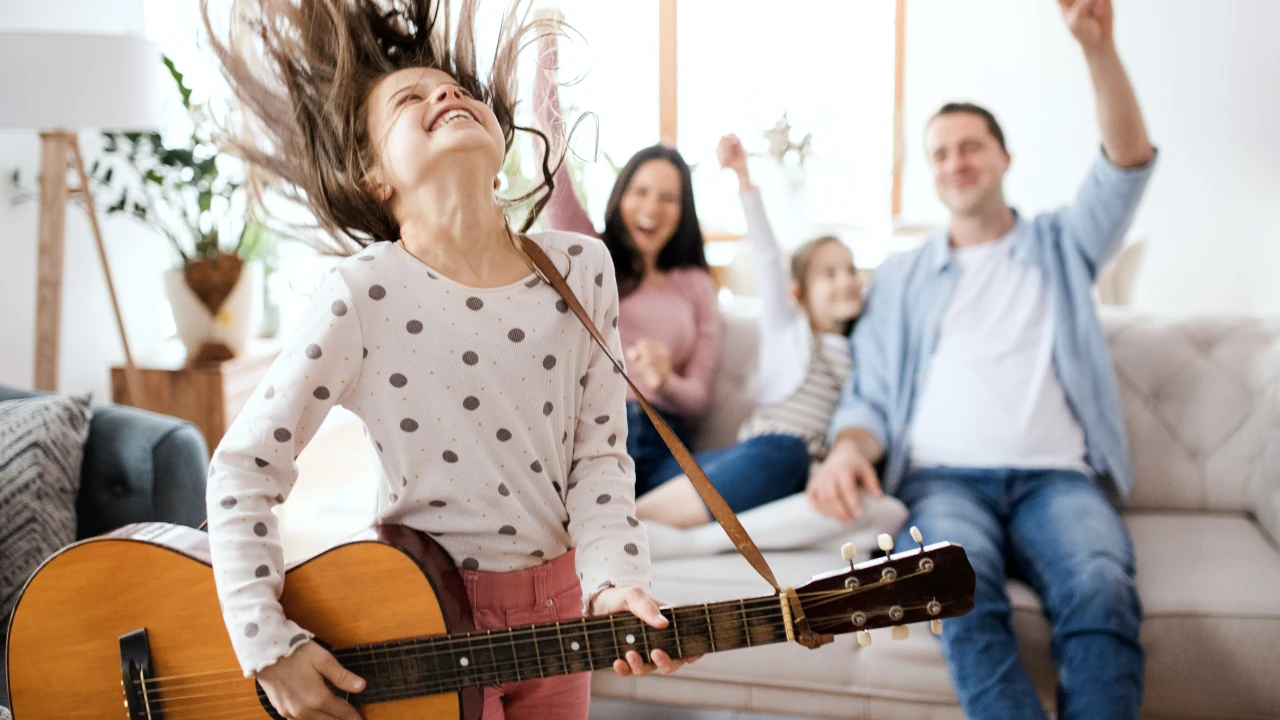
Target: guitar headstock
923,584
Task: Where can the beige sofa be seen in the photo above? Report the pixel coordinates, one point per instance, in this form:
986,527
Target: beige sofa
1202,405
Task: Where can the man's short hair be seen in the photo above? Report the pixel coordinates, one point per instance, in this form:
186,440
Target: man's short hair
956,108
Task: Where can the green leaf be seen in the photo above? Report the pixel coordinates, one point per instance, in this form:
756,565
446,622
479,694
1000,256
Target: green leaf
177,78
106,178
206,201
154,177
119,205
139,211
177,157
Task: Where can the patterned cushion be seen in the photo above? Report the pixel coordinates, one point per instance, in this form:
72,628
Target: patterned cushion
41,446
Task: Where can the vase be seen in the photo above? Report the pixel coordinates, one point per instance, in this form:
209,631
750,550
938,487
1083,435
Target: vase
231,327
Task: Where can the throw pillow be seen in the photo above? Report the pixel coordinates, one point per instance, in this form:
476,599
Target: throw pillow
41,447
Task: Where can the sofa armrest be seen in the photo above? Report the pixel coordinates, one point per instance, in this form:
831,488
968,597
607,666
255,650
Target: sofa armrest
140,467
1266,488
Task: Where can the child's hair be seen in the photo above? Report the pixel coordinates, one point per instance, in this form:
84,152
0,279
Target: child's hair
684,249
801,258
302,72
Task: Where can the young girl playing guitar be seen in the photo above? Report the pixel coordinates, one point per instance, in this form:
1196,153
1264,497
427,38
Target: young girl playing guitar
498,427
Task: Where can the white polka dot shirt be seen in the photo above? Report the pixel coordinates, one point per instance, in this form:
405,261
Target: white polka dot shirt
499,427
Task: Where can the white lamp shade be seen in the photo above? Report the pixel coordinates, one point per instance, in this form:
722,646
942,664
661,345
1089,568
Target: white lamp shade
70,81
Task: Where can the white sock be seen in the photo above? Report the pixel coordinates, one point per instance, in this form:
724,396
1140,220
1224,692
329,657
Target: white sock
787,524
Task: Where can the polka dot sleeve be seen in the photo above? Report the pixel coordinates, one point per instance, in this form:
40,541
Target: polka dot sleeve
612,545
253,470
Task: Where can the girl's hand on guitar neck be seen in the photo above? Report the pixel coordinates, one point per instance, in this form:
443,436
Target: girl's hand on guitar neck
296,686
641,604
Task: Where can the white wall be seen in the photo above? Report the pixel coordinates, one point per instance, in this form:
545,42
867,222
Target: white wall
1208,79
90,343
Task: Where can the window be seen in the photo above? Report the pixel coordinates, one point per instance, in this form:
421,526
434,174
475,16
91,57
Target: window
827,64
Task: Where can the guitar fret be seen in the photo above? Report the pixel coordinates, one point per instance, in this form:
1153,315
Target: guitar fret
586,636
514,662
746,624
711,631
613,633
533,636
675,629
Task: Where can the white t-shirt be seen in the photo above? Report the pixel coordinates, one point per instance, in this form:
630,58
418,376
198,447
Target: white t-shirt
992,397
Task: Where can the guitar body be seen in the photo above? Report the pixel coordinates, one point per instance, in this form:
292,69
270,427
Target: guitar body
64,655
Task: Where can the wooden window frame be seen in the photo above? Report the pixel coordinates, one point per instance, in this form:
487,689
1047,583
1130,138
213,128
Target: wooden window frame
668,111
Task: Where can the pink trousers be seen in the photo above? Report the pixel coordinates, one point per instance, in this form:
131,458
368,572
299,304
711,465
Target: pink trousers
542,594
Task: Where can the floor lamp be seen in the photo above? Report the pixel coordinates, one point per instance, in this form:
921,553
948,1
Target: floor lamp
59,84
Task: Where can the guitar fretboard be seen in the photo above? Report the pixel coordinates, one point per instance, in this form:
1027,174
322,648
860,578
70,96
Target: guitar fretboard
425,666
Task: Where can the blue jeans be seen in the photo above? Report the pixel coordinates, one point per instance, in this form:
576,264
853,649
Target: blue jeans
1056,530
750,474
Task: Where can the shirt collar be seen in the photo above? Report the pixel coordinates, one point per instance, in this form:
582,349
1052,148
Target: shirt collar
939,245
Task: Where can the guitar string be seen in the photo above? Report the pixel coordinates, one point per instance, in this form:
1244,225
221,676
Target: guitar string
436,685
586,624
429,686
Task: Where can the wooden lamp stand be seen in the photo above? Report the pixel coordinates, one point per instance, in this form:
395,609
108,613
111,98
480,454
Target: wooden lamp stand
57,148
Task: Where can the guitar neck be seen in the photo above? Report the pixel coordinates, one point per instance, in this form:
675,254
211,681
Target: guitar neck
425,666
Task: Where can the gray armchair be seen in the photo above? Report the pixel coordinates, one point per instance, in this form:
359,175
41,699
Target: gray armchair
138,467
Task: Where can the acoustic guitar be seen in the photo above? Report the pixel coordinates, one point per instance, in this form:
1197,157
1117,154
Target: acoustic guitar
128,626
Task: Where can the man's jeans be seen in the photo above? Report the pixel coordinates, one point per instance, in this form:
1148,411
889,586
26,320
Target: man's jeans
1056,530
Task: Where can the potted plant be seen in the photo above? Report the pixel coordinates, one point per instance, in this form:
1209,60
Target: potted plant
195,197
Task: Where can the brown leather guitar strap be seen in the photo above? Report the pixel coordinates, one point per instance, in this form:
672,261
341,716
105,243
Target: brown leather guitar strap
719,508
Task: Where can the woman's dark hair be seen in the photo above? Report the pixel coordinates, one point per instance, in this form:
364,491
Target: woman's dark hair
802,258
303,71
684,249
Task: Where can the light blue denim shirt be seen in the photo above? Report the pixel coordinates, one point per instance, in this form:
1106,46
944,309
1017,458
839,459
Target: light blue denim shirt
895,339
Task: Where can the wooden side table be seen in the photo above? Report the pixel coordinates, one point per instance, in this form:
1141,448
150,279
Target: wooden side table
210,395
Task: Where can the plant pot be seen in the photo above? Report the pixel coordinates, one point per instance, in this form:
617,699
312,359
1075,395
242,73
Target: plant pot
231,326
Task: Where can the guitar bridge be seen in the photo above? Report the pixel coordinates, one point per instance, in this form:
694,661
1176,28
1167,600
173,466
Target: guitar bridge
137,677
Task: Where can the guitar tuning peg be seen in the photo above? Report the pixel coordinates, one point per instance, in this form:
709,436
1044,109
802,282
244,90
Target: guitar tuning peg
900,632
886,542
936,626
848,551
864,638
915,535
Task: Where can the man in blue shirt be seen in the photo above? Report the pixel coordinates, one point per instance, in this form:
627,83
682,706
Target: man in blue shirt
982,378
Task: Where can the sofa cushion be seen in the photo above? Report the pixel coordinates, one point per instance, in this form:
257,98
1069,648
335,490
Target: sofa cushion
1210,586
41,446
1201,399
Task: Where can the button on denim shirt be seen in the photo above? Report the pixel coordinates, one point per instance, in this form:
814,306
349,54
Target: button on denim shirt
897,334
